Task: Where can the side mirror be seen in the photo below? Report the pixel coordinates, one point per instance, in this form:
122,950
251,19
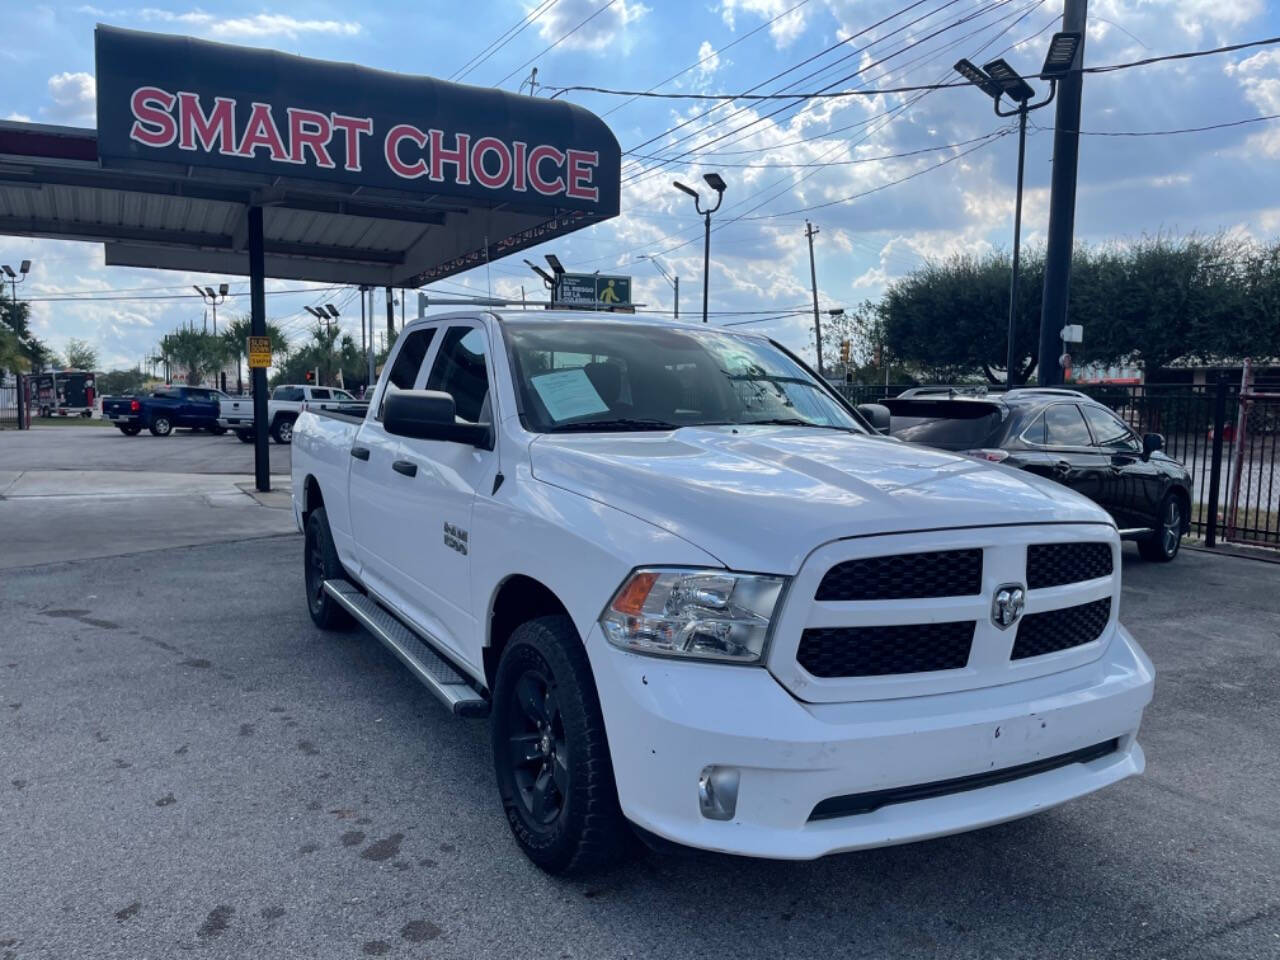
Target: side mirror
1151,442
877,414
430,415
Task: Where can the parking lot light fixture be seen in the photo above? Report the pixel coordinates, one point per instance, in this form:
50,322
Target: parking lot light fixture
1062,54
25,267
716,183
973,73
1009,80
8,271
333,311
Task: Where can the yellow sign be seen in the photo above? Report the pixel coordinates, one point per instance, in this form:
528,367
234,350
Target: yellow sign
259,352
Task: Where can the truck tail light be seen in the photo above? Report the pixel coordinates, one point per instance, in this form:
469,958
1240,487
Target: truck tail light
134,406
995,456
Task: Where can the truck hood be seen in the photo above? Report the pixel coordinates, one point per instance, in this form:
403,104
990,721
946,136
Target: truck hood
762,498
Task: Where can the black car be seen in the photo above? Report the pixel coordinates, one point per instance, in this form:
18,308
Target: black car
1066,436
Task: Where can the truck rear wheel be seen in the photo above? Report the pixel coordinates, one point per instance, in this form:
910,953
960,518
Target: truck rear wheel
129,429
550,754
244,436
161,426
322,563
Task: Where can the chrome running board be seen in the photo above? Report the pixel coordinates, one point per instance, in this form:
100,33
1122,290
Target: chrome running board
415,651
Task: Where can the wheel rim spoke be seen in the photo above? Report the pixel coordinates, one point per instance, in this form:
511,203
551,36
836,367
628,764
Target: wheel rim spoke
560,773
541,802
531,696
524,749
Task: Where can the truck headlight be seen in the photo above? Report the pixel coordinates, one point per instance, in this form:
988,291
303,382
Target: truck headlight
703,614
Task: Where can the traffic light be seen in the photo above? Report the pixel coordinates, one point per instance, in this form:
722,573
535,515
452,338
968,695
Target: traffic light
309,377
844,351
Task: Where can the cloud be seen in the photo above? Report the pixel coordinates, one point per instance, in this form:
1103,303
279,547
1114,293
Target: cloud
593,25
74,97
708,59
784,30
19,117
256,27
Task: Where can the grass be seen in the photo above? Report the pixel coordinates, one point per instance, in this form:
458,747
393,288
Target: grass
1265,524
69,422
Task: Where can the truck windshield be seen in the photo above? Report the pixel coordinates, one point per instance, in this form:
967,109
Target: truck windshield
596,377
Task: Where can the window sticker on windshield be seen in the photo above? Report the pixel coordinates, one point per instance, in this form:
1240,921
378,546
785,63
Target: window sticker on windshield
567,394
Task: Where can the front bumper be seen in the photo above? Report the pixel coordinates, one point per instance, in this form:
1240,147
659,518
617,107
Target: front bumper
667,720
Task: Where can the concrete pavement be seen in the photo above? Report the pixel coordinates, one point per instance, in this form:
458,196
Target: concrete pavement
99,448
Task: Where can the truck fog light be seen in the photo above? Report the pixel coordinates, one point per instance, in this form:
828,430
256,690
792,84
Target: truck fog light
718,792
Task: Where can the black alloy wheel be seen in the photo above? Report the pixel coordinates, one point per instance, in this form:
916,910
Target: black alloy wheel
536,741
321,563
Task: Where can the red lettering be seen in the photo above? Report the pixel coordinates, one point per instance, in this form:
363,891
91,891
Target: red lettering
494,181
310,129
152,126
580,172
261,132
547,188
458,157
520,171
391,146
217,128
352,128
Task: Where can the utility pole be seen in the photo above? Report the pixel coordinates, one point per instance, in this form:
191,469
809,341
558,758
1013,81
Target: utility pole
810,231
1062,201
369,350
391,317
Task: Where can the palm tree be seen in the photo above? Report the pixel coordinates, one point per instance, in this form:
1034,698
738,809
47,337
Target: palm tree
236,337
199,354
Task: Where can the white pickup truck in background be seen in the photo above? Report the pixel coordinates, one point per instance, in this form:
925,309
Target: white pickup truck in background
699,598
283,407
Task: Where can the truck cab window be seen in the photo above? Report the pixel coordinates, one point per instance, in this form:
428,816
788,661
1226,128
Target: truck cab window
459,370
408,363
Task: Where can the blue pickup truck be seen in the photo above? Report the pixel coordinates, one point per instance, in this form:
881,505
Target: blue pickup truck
165,410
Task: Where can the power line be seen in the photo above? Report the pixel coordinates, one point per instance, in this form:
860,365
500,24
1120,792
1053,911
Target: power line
565,36
865,92
1163,133
510,34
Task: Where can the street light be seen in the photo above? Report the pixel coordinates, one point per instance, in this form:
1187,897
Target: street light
23,269
213,299
674,281
716,183
998,79
547,280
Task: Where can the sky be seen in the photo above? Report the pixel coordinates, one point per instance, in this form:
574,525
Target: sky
879,214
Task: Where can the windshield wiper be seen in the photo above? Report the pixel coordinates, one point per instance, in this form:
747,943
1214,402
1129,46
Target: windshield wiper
620,423
795,422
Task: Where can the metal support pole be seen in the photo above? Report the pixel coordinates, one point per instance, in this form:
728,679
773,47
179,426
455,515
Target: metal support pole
809,231
1215,465
1017,244
258,328
706,263
391,317
1062,201
368,353
677,298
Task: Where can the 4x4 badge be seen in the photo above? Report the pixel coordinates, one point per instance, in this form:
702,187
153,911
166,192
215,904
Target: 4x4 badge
1007,604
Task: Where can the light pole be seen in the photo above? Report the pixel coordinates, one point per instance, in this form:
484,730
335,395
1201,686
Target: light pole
326,315
547,280
213,299
23,269
674,281
997,79
716,183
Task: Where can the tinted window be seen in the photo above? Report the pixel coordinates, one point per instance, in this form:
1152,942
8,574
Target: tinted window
287,393
572,375
949,424
407,365
1109,430
459,370
1064,427
319,393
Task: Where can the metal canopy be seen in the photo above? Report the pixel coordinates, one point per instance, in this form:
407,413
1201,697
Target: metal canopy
436,178
219,159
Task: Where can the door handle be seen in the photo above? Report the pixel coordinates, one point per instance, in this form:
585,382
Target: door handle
360,453
1062,467
407,467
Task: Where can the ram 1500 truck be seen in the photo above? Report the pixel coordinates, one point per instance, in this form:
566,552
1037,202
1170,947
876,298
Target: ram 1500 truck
700,599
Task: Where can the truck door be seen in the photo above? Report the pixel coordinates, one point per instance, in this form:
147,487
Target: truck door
436,483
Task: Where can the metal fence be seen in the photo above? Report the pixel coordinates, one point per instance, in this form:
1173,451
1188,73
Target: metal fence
1236,486
9,402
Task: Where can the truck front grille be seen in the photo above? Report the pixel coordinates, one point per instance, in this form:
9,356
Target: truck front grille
883,651
905,576
1053,564
1054,630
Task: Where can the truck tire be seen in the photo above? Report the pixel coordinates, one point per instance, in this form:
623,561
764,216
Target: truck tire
282,430
129,429
550,754
161,425
244,436
217,431
321,561
1162,545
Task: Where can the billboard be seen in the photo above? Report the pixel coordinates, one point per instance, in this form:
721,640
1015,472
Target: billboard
594,290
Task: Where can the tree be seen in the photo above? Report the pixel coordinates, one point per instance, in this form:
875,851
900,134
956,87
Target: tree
17,317
236,337
13,358
118,382
198,354
81,355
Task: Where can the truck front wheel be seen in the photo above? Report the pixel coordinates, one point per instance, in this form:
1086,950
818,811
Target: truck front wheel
555,775
161,426
282,431
322,563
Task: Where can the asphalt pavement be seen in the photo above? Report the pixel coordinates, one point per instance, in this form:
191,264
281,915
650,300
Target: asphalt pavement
188,765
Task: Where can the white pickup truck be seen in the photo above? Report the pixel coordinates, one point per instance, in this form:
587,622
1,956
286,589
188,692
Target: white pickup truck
283,407
701,600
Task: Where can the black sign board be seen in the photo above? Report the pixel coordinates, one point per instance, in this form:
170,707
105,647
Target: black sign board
592,289
200,104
